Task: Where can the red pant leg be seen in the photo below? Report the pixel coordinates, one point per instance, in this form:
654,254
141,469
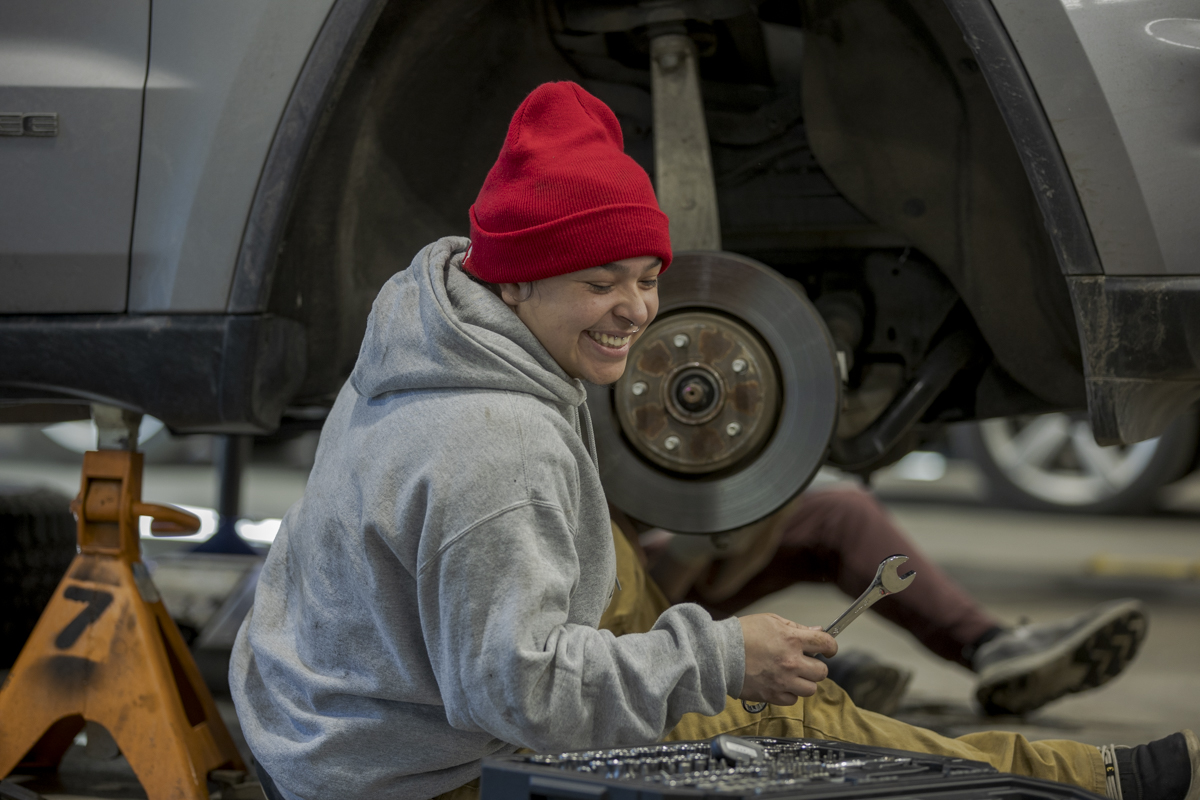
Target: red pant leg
842,535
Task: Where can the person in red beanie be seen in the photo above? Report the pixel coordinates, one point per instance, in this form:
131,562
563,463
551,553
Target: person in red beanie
565,207
450,586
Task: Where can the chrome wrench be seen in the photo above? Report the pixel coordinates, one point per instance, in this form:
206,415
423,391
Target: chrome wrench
888,580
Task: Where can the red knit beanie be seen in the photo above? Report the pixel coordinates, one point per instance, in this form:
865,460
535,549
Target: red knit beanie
563,196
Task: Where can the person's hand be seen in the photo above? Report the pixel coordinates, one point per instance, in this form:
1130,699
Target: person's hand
779,668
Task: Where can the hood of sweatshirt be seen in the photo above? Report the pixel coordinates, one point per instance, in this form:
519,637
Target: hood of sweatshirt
432,327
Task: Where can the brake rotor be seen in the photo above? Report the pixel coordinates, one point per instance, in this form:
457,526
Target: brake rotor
728,403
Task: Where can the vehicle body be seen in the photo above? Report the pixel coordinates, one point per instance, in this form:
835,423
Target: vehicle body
229,185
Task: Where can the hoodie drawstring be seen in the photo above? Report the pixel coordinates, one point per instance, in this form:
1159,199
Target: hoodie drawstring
587,434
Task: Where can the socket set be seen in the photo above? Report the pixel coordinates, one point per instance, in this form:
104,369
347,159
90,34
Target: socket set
730,768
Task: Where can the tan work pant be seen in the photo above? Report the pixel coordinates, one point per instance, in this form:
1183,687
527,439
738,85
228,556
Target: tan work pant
830,714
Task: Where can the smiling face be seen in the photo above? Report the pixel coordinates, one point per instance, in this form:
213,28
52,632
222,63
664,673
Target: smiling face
588,319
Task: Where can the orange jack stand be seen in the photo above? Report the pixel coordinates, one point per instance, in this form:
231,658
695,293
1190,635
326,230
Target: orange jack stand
105,650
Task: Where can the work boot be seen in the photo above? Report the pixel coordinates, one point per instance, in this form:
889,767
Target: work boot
1026,667
1166,769
870,683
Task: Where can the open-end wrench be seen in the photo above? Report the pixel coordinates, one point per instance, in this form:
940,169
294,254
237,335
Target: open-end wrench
888,580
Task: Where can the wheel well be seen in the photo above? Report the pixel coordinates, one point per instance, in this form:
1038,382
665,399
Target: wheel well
881,142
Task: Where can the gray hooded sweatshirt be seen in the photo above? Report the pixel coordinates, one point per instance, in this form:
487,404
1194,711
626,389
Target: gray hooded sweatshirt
433,597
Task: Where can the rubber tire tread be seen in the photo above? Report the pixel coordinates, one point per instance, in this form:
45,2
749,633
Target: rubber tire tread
37,543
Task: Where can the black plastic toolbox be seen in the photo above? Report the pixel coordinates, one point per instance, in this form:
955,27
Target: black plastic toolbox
812,769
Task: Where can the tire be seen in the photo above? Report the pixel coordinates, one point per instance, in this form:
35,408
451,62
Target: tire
1051,462
37,543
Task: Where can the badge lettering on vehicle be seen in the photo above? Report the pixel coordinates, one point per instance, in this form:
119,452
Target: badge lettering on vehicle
15,123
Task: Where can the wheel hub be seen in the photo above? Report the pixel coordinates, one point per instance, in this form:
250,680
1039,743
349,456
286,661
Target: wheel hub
699,395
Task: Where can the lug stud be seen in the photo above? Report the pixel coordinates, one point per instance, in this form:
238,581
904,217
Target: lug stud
733,428
671,442
639,388
681,340
739,365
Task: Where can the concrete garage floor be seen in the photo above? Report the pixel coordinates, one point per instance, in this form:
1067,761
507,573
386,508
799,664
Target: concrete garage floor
1019,565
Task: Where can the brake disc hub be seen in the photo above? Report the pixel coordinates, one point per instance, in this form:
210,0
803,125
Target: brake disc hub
699,395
